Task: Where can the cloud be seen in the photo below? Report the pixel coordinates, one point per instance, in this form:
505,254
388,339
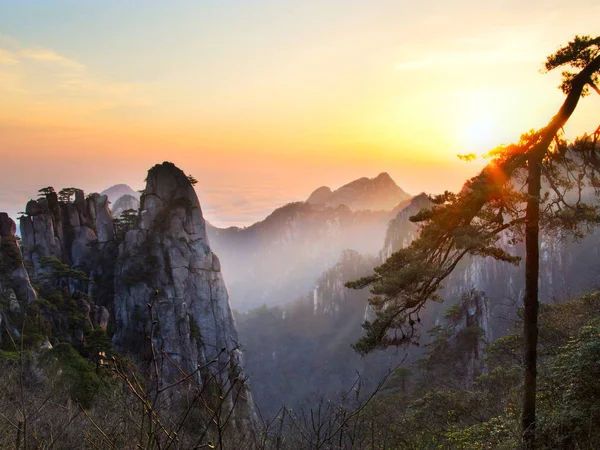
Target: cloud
45,55
494,46
7,58
226,206
40,85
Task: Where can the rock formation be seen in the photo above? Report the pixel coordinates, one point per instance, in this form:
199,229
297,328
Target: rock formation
66,230
471,332
168,285
14,279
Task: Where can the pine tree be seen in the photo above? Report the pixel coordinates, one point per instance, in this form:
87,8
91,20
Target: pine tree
470,222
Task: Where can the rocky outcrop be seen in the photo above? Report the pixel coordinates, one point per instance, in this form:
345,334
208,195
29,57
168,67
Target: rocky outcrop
14,279
169,286
379,193
68,230
470,332
401,231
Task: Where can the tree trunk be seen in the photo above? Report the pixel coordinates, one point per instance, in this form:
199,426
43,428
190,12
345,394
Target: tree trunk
530,302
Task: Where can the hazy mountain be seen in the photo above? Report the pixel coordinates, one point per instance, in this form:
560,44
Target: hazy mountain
308,339
119,190
124,203
281,257
379,193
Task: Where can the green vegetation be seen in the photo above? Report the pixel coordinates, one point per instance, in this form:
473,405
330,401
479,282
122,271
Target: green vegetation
128,220
73,373
60,270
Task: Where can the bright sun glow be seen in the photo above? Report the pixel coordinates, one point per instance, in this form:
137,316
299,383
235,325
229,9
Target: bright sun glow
479,137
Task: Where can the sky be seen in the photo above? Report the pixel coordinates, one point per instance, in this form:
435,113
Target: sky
264,101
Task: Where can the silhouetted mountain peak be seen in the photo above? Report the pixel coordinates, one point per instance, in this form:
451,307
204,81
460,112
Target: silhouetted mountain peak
119,190
320,196
379,193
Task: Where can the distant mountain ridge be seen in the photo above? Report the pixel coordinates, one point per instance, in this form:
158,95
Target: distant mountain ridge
379,193
119,190
281,257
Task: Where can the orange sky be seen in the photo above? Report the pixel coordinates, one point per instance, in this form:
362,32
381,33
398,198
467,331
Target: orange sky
264,101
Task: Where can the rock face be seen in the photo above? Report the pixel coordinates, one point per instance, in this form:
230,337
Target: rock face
471,331
379,193
401,231
14,279
68,230
168,285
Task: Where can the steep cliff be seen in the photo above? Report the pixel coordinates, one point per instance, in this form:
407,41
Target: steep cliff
168,286
67,229
14,279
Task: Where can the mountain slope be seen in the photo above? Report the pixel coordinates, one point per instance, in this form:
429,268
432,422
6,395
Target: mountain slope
281,257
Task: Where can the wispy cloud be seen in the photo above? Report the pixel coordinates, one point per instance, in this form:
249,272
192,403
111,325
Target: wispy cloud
7,58
46,55
241,205
464,58
41,84
496,46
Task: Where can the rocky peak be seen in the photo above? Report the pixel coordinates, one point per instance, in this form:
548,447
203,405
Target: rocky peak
65,229
168,284
379,193
320,196
401,231
384,178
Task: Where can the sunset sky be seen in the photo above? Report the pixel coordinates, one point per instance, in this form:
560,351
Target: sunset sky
263,101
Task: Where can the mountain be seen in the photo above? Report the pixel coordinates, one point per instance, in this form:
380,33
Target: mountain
153,287
168,260
119,190
308,339
281,257
124,203
379,193
307,336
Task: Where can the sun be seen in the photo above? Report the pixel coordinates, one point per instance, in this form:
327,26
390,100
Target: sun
478,136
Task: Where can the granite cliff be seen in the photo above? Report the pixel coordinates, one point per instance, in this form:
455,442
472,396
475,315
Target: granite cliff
168,285
152,285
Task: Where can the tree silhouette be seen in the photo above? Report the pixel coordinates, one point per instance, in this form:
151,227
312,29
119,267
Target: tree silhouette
470,222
